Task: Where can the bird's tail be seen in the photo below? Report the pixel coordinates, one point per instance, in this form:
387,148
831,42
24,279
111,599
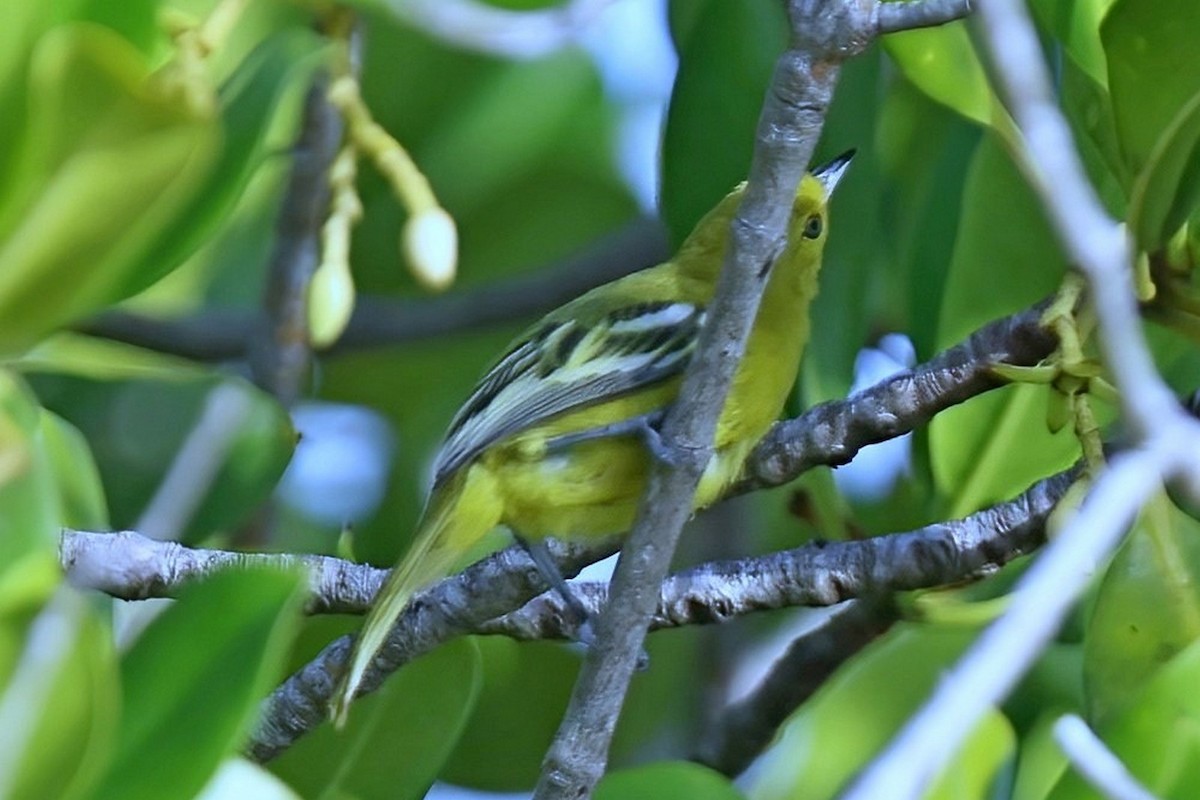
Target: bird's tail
459,514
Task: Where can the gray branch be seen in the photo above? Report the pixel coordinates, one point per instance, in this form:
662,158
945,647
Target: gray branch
131,566
222,335
832,433
281,352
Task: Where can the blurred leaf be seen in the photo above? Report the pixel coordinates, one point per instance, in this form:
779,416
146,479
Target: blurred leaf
101,114
855,288
104,359
666,780
1153,69
1088,108
28,498
58,714
1147,608
135,428
1157,735
192,682
942,62
248,102
107,162
515,115
1041,762
992,448
1005,258
1168,188
1005,255
24,25
80,494
135,20
420,711
1075,24
924,151
530,682
853,716
725,62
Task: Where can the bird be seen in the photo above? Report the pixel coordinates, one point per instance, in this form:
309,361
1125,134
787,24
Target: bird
557,438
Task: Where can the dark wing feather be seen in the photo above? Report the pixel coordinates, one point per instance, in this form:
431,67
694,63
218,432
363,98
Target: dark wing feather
566,364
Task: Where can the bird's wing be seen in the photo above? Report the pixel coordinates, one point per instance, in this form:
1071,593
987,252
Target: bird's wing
568,361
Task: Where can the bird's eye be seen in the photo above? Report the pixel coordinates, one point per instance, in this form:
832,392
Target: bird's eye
812,229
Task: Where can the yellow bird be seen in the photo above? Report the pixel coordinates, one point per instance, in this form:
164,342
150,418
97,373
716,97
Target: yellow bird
556,439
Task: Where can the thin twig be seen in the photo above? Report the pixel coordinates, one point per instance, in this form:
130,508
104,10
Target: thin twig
450,608
746,727
280,352
223,335
1095,763
788,129
832,433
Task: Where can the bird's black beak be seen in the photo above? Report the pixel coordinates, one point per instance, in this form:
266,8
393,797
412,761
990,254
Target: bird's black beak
830,174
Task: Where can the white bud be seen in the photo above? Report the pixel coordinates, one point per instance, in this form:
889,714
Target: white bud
330,303
430,243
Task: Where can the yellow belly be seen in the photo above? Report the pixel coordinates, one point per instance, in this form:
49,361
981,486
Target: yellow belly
591,489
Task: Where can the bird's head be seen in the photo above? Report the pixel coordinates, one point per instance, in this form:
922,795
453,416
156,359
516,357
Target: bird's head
806,229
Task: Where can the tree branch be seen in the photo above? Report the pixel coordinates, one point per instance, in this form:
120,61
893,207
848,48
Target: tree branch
222,335
131,566
745,728
832,433
279,339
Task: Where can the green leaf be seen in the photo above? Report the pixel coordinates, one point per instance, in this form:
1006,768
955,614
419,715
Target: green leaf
421,711
666,780
493,754
943,63
1088,108
192,682
725,63
1153,69
135,428
1005,255
28,497
58,713
248,103
1041,763
1168,189
1157,735
1076,25
854,714
1005,258
106,163
104,360
518,113
993,447
1147,608
80,494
